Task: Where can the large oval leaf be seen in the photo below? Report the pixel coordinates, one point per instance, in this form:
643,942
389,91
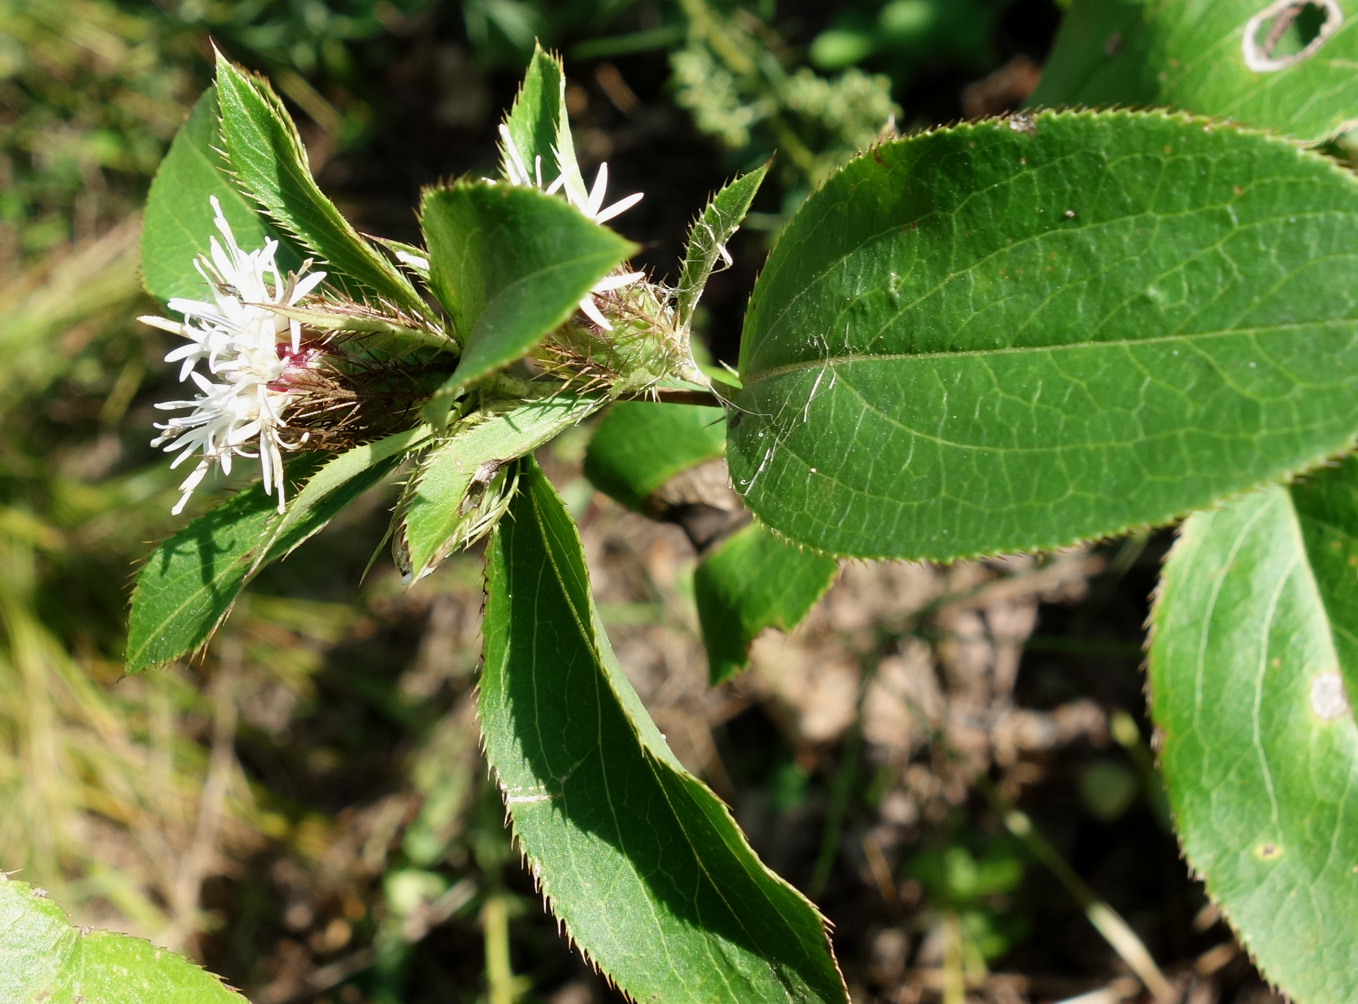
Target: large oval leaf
1014,335
641,862
1277,65
1254,657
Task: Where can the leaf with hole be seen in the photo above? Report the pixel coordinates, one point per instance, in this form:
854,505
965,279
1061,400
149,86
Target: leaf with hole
752,581
1253,661
1285,65
639,445
179,220
509,264
43,958
190,582
270,163
642,864
1013,335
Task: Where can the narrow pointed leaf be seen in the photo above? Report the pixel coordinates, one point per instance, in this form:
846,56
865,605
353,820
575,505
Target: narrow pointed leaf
1008,336
1197,56
640,445
540,128
752,581
189,583
509,264
1252,667
443,501
43,958
179,219
641,862
707,241
270,162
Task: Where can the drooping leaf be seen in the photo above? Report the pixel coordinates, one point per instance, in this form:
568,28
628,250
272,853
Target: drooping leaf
179,220
640,445
540,128
191,580
1197,55
752,581
270,163
509,264
44,959
1253,663
1013,335
642,864
443,510
707,241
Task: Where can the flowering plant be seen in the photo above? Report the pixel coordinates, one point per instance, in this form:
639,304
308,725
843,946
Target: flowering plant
1008,335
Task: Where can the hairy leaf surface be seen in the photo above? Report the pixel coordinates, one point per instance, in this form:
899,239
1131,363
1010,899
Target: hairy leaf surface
1013,335
541,129
1195,55
446,490
752,581
640,445
179,220
640,861
44,959
270,162
509,264
190,581
707,241
1254,659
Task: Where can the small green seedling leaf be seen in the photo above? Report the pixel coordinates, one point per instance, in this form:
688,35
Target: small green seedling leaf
1278,65
509,264
179,218
191,581
270,163
640,445
44,959
443,510
752,581
707,241
540,129
1253,666
642,864
1012,335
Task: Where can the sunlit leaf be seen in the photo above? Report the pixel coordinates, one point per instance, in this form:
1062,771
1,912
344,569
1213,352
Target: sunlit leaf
642,864
44,959
1254,659
1013,335
1214,57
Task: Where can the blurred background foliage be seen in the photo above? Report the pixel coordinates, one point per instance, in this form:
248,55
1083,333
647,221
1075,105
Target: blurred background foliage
304,807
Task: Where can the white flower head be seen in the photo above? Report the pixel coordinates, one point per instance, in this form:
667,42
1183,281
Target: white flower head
591,205
249,349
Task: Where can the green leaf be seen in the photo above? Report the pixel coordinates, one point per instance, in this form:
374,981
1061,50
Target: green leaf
707,241
641,863
640,445
1014,335
1192,55
44,959
752,581
540,128
190,581
179,219
444,510
270,163
509,264
1255,654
